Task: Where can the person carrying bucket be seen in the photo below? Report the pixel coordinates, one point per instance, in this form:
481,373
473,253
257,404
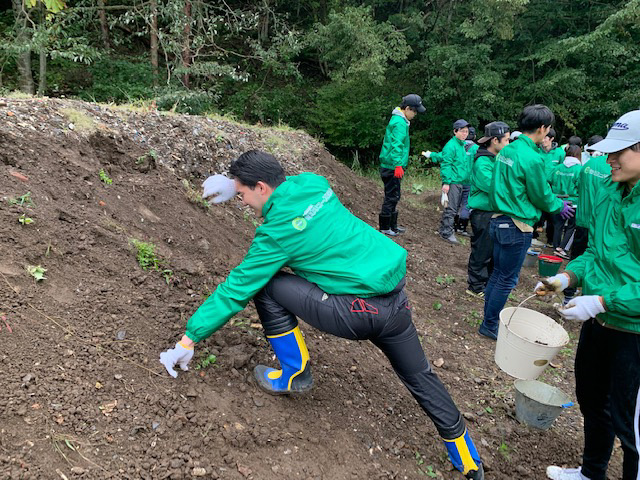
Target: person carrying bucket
607,367
519,192
496,137
348,280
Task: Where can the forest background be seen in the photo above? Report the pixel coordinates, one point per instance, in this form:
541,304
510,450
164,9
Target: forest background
334,68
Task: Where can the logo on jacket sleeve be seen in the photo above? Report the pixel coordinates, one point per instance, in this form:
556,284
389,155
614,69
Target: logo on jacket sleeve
299,223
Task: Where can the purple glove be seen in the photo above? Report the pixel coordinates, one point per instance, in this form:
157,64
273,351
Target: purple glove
567,210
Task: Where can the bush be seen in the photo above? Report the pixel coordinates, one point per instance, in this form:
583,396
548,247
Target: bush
119,81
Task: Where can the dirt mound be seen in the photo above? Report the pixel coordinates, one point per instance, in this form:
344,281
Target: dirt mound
82,394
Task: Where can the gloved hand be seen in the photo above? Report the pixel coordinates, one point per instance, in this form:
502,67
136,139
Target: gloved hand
398,172
555,284
583,308
222,187
180,354
445,188
427,154
567,210
444,200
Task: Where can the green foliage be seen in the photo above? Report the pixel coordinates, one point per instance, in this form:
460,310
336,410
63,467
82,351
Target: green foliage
417,188
445,279
194,195
149,260
118,80
24,220
37,272
104,177
437,305
205,360
22,200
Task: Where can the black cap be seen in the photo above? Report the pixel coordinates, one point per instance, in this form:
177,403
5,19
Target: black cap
472,134
494,129
414,101
458,124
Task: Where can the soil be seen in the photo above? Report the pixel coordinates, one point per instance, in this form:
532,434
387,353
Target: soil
82,394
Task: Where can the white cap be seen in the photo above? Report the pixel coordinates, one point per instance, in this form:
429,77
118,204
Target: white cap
515,134
622,134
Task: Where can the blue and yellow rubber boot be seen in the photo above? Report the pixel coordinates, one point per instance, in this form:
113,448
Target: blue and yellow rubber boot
292,353
465,457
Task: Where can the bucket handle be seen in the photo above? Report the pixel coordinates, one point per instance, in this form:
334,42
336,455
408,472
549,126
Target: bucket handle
567,405
521,303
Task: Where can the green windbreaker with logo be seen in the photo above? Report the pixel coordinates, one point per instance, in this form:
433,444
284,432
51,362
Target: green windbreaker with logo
519,187
565,177
307,229
610,266
593,175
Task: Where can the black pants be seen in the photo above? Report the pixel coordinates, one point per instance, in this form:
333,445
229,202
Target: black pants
580,243
549,231
384,320
391,191
560,227
481,257
455,201
608,390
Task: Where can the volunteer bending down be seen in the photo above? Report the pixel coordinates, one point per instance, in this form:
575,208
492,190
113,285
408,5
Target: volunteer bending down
349,281
608,358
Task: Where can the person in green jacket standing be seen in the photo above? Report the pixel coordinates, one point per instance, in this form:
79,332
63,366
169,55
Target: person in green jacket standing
348,280
455,172
607,365
496,137
519,192
394,158
564,183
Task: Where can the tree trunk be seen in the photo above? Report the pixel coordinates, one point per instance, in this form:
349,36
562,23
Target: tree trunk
24,58
154,40
42,81
186,48
104,26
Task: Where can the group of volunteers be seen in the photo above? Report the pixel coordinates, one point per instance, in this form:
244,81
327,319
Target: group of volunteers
590,201
348,278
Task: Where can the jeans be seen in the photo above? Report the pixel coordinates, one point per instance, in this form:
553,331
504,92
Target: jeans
465,212
510,247
391,191
608,390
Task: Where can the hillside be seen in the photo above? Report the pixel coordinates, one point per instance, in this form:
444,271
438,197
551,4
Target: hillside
82,394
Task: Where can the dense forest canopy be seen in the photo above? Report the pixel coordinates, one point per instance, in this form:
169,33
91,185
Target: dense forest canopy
334,68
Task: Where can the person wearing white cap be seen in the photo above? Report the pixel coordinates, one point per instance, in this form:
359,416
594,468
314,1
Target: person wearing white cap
607,364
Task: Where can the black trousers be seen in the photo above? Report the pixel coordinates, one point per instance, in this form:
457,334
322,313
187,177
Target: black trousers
384,320
391,191
560,227
608,390
580,243
481,257
448,214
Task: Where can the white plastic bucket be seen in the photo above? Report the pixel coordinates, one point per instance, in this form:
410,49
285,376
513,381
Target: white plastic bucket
527,342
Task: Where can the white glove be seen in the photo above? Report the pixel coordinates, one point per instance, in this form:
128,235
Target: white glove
427,154
583,308
222,187
180,354
444,199
554,284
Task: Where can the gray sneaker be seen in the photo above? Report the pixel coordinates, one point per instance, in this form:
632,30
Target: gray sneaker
452,239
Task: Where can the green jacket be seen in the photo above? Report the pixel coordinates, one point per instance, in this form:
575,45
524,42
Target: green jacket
307,229
455,168
395,147
481,176
611,264
565,178
593,175
553,158
519,187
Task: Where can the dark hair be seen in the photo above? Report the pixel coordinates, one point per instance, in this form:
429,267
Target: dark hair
255,166
575,140
404,105
487,144
635,147
573,151
594,139
552,133
534,117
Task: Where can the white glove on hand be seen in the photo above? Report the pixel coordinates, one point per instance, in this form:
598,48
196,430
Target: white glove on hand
222,187
583,308
444,199
180,354
554,284
427,154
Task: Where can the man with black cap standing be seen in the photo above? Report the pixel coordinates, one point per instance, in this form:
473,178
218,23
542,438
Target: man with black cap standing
455,173
394,158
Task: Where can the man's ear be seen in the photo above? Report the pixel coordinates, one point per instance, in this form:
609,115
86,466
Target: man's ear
262,187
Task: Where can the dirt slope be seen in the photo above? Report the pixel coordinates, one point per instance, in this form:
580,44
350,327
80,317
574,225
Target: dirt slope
82,394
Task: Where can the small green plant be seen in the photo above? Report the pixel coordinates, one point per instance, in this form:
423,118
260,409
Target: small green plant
249,218
437,305
566,352
417,188
426,469
36,272
24,220
445,279
194,195
504,450
206,360
488,410
474,318
106,179
167,275
512,297
146,255
150,154
22,200
463,241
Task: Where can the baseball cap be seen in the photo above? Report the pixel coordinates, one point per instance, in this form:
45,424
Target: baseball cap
494,129
460,124
515,134
414,101
622,134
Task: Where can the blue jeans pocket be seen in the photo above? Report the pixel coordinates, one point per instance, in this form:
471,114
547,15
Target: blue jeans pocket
505,235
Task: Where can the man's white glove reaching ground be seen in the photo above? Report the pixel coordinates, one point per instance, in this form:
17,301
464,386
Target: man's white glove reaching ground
220,187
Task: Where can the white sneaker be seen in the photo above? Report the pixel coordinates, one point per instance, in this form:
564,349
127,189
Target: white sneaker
558,473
